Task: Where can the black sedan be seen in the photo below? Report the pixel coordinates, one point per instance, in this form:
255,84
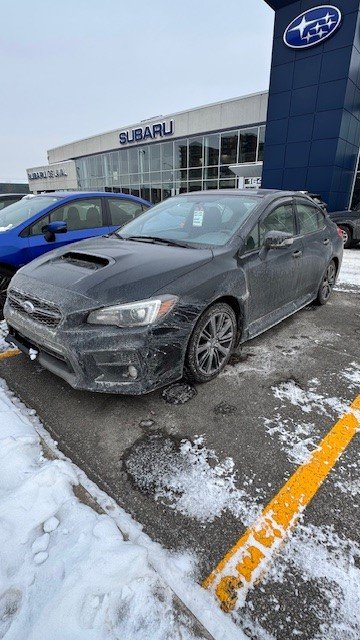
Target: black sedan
349,223
175,290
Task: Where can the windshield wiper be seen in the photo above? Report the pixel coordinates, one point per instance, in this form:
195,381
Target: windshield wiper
157,240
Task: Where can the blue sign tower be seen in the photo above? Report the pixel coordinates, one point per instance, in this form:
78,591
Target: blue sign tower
313,126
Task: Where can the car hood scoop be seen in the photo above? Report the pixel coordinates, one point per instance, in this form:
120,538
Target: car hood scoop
84,260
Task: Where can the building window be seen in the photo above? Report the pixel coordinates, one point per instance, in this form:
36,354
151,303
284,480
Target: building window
212,150
180,154
155,157
167,156
229,147
248,145
196,155
261,144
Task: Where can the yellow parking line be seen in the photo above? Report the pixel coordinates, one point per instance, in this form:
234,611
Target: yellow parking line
247,561
9,353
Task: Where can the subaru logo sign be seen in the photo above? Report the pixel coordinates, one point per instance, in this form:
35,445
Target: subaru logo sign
312,27
28,306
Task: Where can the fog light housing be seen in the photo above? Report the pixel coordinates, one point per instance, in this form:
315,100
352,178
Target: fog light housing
133,372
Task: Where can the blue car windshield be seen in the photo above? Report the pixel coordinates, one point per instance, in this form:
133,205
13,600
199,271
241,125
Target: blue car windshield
20,211
209,220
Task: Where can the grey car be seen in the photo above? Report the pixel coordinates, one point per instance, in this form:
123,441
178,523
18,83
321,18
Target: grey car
175,290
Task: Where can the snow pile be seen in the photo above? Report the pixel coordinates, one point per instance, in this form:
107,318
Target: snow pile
65,570
189,478
4,346
349,277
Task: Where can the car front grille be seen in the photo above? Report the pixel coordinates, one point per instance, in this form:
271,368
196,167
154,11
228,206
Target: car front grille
34,309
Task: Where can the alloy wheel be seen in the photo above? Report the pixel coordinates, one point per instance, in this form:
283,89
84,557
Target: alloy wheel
214,343
328,281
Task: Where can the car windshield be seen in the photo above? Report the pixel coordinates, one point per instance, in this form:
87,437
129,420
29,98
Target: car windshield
194,219
16,213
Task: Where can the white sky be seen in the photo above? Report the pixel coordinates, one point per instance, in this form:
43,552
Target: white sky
70,69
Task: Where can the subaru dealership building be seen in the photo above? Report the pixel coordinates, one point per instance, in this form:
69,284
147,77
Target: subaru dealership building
303,134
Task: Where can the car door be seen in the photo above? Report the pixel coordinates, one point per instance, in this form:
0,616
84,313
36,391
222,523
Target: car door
122,211
317,247
84,218
272,275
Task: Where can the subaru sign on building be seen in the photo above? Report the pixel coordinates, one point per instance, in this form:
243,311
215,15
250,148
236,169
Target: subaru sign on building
304,133
313,121
312,27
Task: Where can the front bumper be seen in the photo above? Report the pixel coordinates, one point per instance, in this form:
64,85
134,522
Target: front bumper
97,358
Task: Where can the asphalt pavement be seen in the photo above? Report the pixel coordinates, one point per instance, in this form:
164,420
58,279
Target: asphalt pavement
196,465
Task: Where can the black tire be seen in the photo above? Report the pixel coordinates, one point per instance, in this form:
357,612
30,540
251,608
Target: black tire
348,241
5,277
327,283
211,344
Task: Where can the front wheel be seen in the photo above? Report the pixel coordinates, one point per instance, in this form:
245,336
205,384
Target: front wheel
327,283
211,343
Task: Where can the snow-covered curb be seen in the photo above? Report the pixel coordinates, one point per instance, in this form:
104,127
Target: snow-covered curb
67,571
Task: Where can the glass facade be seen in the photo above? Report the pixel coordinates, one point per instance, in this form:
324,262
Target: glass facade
159,170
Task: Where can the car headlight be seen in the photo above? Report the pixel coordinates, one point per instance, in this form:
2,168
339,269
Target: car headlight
133,314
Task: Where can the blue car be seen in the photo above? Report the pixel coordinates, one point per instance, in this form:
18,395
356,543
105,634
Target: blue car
37,224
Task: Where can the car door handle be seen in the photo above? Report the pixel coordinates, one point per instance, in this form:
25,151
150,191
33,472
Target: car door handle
297,254
326,241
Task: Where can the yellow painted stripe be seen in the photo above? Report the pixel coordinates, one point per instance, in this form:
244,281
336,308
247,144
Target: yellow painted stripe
247,561
9,353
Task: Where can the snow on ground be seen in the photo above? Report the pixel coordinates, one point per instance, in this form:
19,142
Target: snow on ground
190,479
349,278
317,569
319,572
66,571
3,331
298,438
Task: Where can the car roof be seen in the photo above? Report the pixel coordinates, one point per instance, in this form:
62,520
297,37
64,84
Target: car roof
97,194
260,193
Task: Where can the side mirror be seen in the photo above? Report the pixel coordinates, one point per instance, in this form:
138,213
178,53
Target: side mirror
278,240
275,240
50,230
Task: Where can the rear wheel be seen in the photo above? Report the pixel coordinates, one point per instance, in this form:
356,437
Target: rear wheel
327,283
211,343
5,277
347,236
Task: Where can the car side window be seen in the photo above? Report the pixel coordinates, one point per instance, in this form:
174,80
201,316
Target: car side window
78,214
123,211
310,218
281,219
